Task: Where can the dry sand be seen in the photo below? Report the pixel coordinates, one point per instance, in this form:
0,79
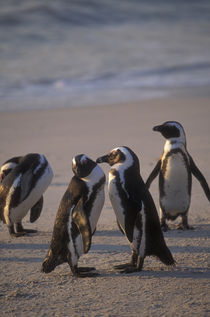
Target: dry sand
157,290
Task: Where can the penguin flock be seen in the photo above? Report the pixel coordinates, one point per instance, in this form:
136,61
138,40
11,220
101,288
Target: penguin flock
24,179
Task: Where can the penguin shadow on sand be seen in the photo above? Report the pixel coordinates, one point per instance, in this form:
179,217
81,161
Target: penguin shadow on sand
115,253
199,231
29,248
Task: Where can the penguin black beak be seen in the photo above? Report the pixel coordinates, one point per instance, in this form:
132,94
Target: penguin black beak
157,128
103,159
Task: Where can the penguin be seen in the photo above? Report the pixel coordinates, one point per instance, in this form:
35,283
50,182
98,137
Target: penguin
77,217
24,179
9,165
175,169
135,210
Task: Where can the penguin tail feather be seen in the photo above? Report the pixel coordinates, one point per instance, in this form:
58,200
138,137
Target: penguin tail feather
162,252
165,256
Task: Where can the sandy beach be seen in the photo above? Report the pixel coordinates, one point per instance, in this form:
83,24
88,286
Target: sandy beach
157,290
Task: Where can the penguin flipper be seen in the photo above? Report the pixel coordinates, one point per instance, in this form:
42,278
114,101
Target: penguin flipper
36,210
130,217
153,174
82,222
197,173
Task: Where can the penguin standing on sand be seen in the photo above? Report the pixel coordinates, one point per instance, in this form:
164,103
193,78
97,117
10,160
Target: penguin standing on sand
175,169
77,217
135,210
23,182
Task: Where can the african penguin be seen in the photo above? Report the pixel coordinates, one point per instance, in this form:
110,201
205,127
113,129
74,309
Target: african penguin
77,217
175,169
135,210
24,180
9,165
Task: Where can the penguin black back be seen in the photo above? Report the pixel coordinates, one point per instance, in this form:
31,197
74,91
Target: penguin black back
21,190
77,217
135,209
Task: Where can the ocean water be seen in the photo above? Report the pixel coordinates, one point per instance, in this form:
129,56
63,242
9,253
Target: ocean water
67,53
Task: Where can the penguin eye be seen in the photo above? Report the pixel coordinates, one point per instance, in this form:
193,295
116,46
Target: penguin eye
113,155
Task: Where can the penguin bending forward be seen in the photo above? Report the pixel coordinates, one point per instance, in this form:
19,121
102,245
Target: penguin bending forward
77,217
8,166
175,169
135,210
23,180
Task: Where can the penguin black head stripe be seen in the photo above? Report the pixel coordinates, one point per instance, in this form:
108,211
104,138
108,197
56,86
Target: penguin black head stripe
82,165
120,155
113,157
134,208
77,217
175,169
172,130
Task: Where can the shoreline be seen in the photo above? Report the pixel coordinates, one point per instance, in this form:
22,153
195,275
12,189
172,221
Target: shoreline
59,103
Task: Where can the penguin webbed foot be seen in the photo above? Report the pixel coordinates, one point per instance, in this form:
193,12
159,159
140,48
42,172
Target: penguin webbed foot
14,234
182,226
131,264
125,268
17,234
86,269
135,265
130,269
29,230
19,229
85,272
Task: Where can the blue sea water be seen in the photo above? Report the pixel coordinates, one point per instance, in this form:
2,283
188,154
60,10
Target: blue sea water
66,53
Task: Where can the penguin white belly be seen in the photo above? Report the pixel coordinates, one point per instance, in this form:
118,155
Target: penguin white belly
77,250
76,247
176,198
116,202
16,214
96,209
